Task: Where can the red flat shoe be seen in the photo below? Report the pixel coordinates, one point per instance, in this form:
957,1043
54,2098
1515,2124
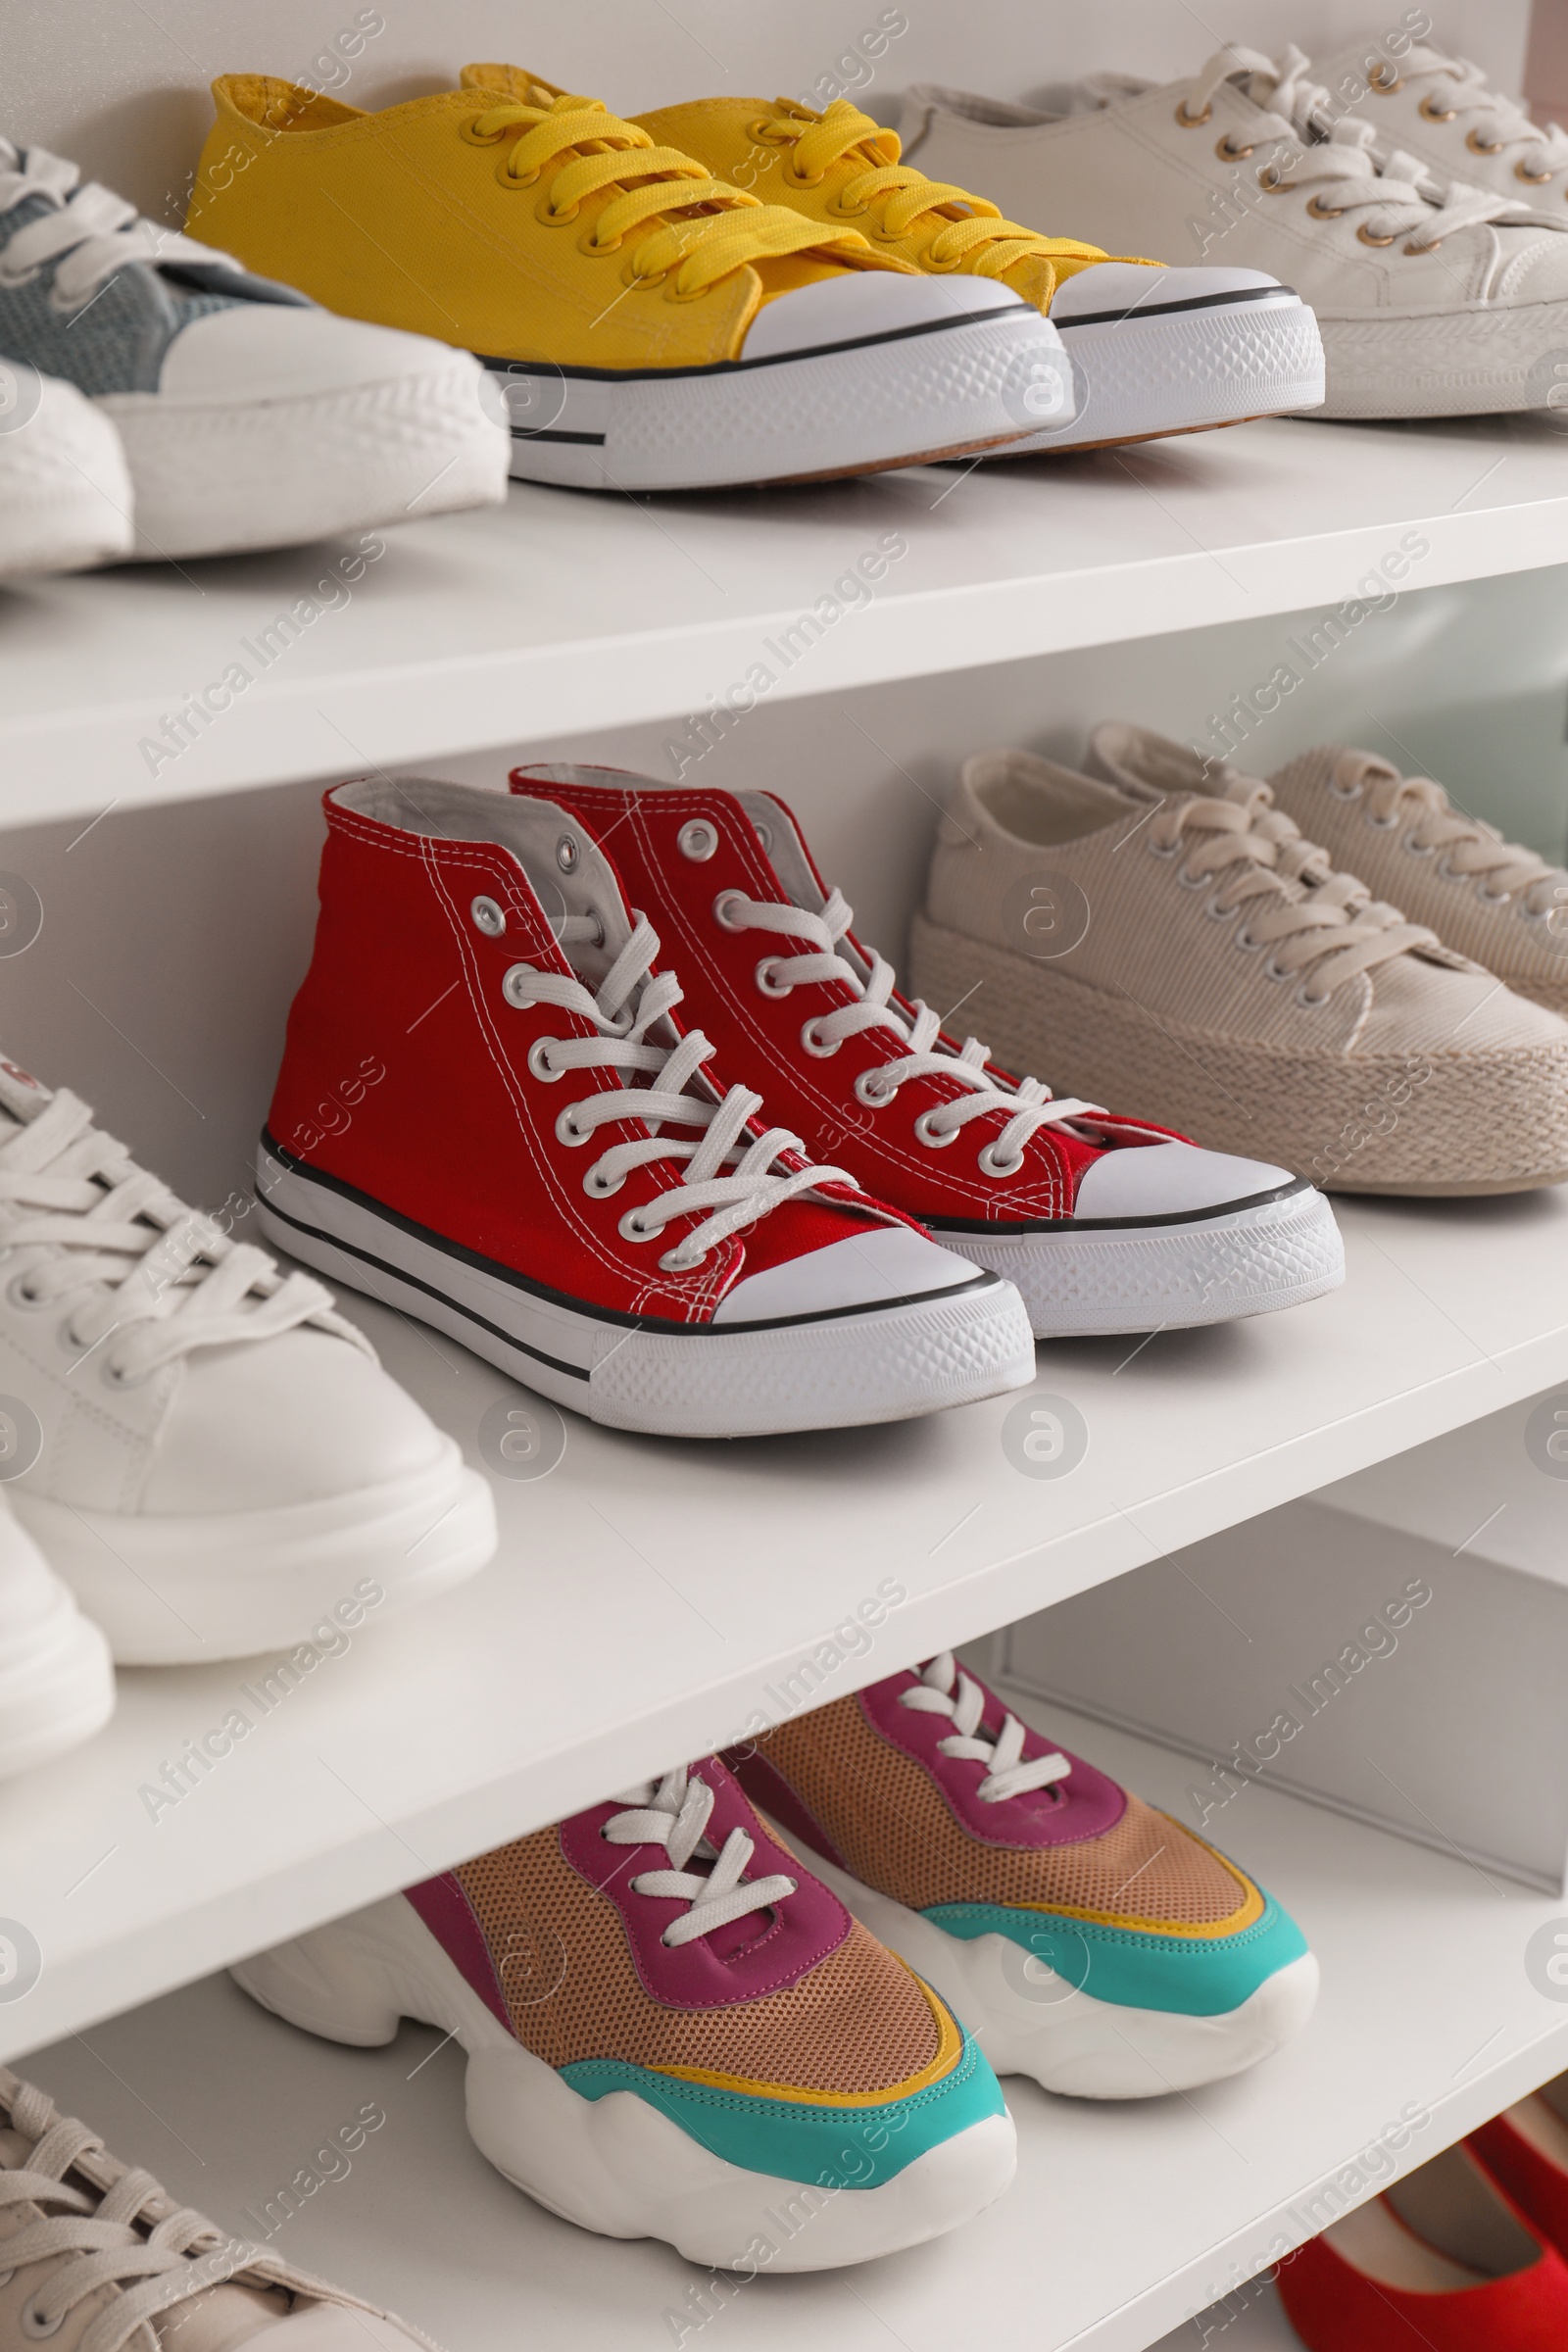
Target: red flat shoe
1525,2150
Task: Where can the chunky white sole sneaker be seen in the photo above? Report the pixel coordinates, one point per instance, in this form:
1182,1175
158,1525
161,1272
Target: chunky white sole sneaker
1179,354
176,1590
612,2165
902,398
715,1380
65,491
1030,2021
1082,1278
57,1684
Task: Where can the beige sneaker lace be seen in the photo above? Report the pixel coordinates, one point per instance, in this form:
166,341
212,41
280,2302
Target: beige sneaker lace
1457,90
715,230
1311,920
1473,851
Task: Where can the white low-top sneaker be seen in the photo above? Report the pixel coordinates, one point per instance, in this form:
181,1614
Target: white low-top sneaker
57,1685
210,1456
1432,301
104,2260
250,418
64,494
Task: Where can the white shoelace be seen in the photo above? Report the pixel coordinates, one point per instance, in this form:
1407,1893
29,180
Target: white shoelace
1007,1776
627,1004
91,231
1461,90
674,1813
81,1225
1473,851
131,2235
1025,1107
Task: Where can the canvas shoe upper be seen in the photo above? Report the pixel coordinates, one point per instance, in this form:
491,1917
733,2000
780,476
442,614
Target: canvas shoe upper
649,326
1432,301
1090,1942
1488,898
99,2258
1154,350
1230,981
64,493
249,418
674,2031
1104,1223
1443,111
212,1457
552,1174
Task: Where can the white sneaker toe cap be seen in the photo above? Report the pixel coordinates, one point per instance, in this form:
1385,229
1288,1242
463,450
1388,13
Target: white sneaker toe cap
1171,1180
864,304
260,351
867,1270
1134,287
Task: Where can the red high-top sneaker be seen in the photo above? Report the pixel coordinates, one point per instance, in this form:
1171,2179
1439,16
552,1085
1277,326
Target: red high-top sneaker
1106,1224
488,1117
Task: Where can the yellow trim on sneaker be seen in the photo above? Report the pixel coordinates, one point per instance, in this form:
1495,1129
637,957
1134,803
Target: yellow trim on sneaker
949,2044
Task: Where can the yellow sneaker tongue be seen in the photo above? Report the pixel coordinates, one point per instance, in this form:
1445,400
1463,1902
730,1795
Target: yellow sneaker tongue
510,82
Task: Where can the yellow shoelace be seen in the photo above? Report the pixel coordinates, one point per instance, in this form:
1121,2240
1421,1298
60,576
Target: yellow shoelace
976,239
700,247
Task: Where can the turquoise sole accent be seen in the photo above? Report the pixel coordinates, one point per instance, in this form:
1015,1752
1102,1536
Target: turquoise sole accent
1186,1975
841,2147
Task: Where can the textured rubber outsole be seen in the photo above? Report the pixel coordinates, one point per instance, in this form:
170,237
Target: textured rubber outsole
56,1689
1029,2021
1218,1269
1180,372
64,490
898,400
212,477
177,1592
889,1363
1476,362
614,2164
1437,1123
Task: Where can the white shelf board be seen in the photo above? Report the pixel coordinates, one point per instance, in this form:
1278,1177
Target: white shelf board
650,1597
566,609
1124,2219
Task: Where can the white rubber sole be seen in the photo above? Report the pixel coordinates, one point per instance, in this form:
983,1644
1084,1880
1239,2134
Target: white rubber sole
176,1592
901,399
1029,2021
614,2164
1218,1269
211,477
64,490
56,1689
1181,368
1479,361
889,1363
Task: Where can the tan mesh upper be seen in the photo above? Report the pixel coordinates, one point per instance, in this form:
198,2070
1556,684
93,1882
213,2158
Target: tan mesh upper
858,2023
890,1822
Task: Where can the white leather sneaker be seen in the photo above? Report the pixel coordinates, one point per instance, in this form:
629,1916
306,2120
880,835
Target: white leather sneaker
1442,109
211,1457
64,493
57,1685
104,2260
1432,302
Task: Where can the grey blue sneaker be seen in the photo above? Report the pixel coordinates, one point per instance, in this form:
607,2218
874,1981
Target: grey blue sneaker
250,418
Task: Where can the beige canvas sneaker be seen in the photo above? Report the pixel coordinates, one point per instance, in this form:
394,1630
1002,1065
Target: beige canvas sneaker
1484,897
98,2259
1153,933
1442,109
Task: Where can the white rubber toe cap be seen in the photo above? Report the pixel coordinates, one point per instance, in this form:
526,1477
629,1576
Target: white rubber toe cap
866,303
1171,1180
298,1418
267,350
1134,287
868,1270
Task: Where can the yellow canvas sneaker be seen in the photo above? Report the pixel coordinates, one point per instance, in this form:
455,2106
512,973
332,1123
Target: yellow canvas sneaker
1154,350
650,327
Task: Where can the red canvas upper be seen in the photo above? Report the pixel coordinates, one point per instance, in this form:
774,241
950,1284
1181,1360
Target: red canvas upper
754,1031
406,1075
1535,2185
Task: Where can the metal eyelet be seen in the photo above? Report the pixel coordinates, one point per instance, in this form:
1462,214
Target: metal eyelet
1304,996
539,1061
1532,179
722,907
518,987
1381,824
1436,113
599,1187
488,918
836,210
632,1229
1228,154
1188,881
470,132
814,1044
697,841
764,837
567,855
867,1090
1247,943
1163,850
569,1132
20,1295
1480,146
1368,238
1492,898
1385,89
994,1166
1190,122
801,179
1272,971
1346,792
1215,913
934,1139
1432,245
1446,873
765,981
1320,210
1418,849
34,2327
547,216
114,1378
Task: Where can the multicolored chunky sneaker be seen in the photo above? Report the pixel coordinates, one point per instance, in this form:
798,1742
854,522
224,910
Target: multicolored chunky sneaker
673,2031
1104,1223
1088,1941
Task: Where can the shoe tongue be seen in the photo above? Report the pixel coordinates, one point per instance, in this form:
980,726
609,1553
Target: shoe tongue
512,81
22,1098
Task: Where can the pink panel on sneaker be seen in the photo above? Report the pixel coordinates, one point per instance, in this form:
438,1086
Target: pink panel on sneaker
766,1786
448,1915
743,1961
1085,1805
